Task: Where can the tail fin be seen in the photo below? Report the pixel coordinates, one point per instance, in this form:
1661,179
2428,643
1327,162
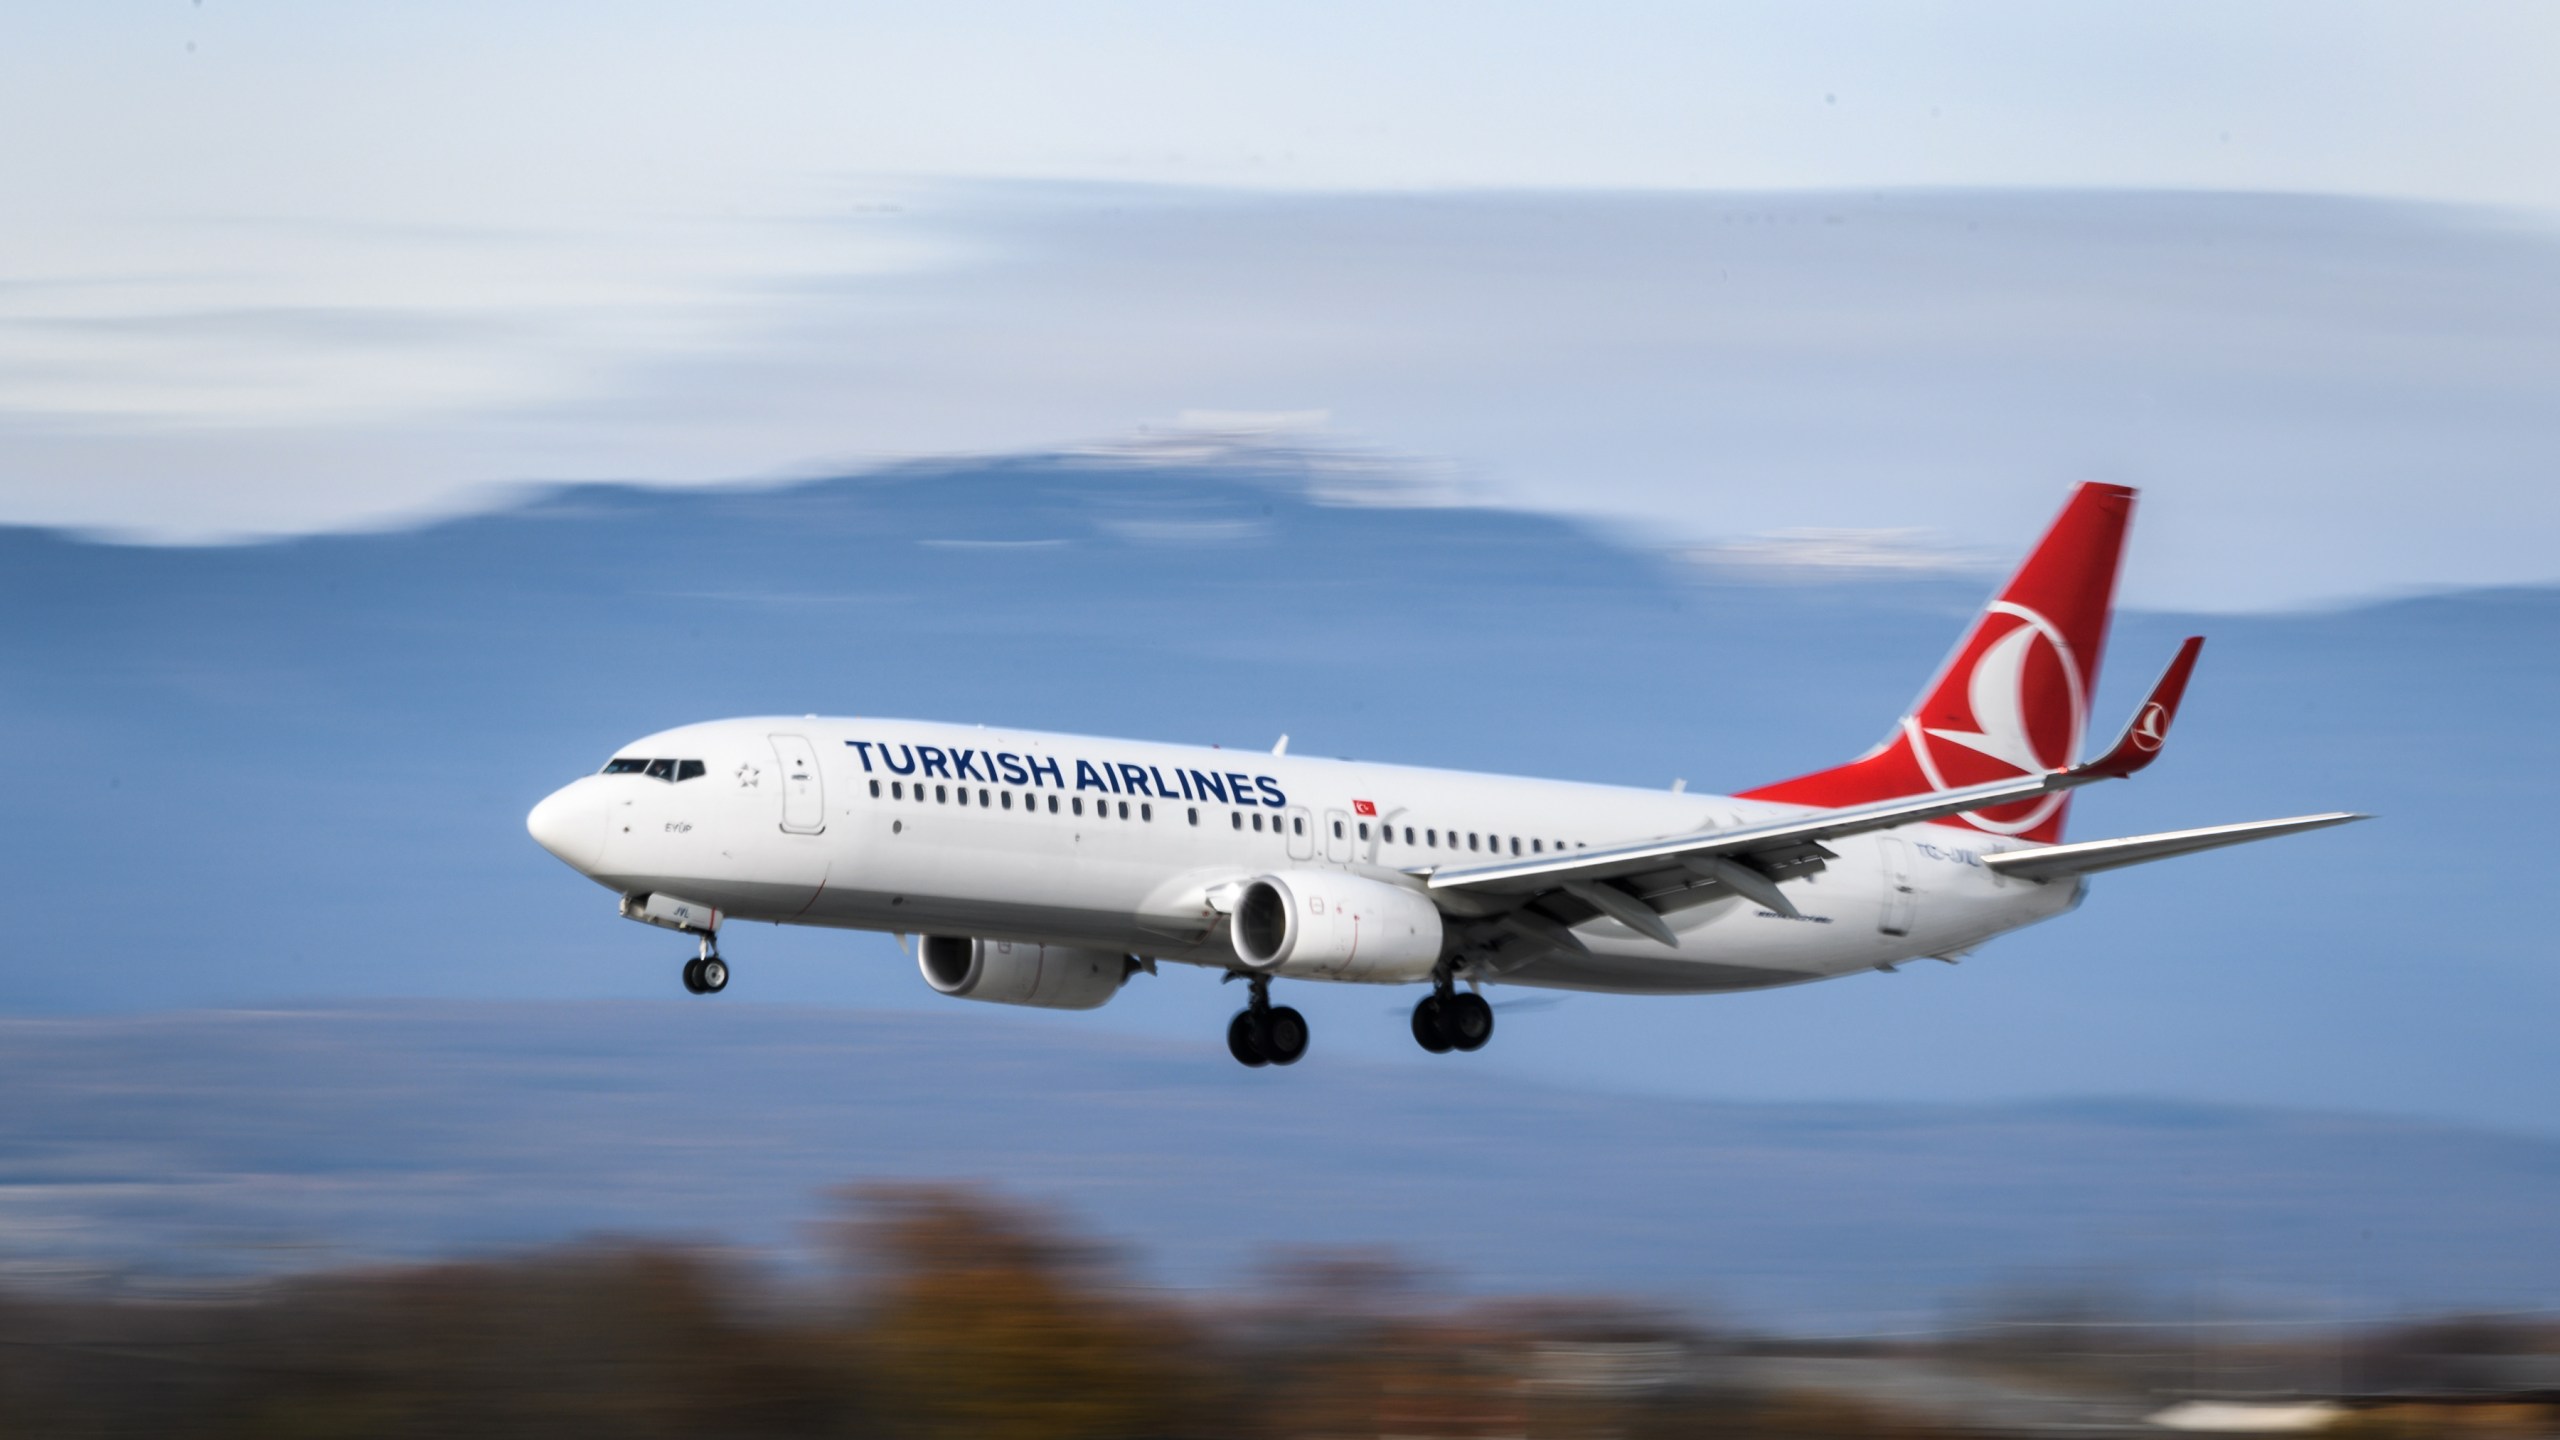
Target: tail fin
2014,697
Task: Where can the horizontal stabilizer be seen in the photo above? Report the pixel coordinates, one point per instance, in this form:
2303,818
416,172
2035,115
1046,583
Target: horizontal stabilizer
2087,857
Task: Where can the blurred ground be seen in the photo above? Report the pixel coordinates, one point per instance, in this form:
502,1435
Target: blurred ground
947,1311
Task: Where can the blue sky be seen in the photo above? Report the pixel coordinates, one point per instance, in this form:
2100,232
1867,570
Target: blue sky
283,267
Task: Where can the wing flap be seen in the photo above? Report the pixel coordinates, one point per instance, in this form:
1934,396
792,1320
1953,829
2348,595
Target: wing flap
2087,857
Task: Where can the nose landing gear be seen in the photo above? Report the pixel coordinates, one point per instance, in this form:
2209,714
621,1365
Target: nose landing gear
707,974
1266,1034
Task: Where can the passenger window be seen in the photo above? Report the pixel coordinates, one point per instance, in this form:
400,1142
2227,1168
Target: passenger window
964,794
1298,824
1195,814
1257,822
1238,817
1537,847
621,765
1124,809
941,795
1408,834
897,789
1008,798
875,789
1364,829
662,770
1146,812
1077,804
1053,804
1471,840
1431,838
689,769
982,799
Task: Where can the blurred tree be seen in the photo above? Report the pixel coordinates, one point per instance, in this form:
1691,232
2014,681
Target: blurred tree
983,1321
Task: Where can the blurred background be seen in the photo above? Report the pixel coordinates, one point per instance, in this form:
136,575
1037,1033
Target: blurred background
401,409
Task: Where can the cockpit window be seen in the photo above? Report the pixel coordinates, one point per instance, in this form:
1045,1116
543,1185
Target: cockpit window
667,770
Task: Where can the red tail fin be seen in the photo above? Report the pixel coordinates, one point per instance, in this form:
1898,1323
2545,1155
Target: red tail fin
2014,697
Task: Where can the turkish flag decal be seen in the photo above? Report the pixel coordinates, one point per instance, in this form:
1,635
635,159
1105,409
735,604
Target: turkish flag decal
1364,807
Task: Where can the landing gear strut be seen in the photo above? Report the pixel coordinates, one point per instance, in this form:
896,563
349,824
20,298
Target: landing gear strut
1266,1034
706,974
1450,1019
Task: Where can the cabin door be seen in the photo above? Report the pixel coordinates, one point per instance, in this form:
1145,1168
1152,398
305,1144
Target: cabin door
1901,897
804,792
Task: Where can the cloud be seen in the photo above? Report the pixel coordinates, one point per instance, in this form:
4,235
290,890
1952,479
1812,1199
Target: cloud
1837,554
2285,377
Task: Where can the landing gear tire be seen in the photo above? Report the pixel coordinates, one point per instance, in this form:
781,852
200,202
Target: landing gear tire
1466,1021
1284,1036
706,976
1430,1026
1266,1034
1243,1043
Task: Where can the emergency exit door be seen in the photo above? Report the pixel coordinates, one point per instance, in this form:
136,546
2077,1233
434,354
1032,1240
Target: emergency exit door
1302,840
1337,836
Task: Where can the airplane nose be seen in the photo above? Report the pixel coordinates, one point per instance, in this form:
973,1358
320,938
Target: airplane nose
570,823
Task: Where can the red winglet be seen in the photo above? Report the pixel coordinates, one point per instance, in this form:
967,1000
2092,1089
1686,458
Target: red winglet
2148,731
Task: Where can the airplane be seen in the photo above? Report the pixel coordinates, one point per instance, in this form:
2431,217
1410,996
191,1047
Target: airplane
1046,870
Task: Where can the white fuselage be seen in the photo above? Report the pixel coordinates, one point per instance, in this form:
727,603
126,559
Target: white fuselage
920,828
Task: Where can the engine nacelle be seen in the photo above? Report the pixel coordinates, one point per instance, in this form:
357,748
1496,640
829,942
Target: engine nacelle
1003,972
1335,926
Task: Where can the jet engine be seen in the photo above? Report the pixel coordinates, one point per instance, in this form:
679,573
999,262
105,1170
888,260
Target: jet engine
1333,926
1003,972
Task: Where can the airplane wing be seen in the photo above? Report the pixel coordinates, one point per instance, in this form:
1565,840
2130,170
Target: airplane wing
2051,862
1637,884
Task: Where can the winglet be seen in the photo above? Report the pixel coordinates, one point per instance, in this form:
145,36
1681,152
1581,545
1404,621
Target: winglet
2148,731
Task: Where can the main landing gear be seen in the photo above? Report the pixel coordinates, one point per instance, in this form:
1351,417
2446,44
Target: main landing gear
1452,1019
1266,1034
706,974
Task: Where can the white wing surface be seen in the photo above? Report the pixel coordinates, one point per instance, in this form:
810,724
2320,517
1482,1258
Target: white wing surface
2087,857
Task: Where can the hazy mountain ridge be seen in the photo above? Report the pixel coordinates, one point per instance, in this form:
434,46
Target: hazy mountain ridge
246,1142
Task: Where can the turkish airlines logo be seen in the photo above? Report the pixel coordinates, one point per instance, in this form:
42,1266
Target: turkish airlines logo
1364,807
2020,713
2151,728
